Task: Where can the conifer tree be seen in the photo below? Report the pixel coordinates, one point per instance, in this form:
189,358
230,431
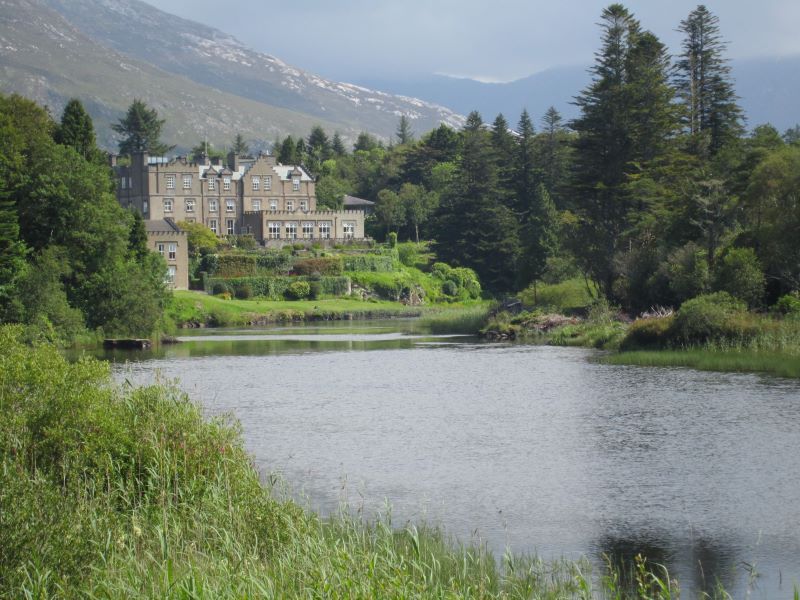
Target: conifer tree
404,133
712,116
525,171
503,144
553,153
337,145
240,147
141,130
287,153
77,130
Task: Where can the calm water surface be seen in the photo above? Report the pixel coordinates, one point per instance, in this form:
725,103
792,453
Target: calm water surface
532,448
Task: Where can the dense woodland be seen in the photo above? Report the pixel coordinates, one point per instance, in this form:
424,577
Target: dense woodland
656,194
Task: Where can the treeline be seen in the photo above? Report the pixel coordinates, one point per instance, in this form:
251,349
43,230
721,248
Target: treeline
656,193
71,259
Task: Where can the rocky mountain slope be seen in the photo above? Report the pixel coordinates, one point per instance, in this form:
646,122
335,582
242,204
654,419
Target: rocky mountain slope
202,81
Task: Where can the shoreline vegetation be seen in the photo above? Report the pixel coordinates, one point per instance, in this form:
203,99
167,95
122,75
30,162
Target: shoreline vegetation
111,491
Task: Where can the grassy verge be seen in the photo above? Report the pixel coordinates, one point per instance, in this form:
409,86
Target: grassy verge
198,308
123,492
773,363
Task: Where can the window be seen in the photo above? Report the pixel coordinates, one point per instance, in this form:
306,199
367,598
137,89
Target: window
170,182
212,184
267,182
349,228
172,251
230,226
256,203
325,230
145,206
190,205
290,205
256,182
160,249
212,205
212,225
171,272
296,184
226,183
273,204
291,230
304,205
167,205
274,230
187,182
123,183
229,205
308,230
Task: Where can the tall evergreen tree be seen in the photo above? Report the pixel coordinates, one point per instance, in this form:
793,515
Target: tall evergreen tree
287,154
337,145
712,116
141,130
526,173
503,144
240,147
77,130
404,133
365,142
553,154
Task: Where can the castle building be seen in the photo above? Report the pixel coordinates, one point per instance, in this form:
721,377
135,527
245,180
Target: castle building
244,195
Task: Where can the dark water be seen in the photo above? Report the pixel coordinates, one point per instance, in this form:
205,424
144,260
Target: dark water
531,448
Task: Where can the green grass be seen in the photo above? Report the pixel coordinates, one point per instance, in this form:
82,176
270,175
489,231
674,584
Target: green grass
200,308
111,491
457,318
774,363
605,335
568,297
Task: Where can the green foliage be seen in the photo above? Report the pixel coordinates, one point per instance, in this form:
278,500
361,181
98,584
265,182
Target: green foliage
368,262
687,272
739,273
274,262
567,297
140,129
243,290
299,290
328,265
459,282
77,130
275,287
653,333
200,238
788,305
710,317
236,265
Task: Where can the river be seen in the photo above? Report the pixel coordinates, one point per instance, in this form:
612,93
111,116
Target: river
532,448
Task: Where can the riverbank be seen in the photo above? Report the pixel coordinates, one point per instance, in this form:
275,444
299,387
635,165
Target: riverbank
197,309
117,491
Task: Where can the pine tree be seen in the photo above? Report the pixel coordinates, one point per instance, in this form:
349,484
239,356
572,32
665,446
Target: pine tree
712,116
240,147
337,145
287,154
539,238
553,154
365,142
503,144
77,130
141,130
526,174
404,133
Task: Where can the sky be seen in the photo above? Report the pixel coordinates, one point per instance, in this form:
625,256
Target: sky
490,40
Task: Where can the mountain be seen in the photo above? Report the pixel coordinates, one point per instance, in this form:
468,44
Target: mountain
768,90
202,81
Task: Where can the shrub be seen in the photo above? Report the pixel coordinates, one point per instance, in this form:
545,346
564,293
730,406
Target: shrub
788,305
378,263
711,317
315,289
647,334
274,261
298,290
236,265
243,291
739,273
219,287
687,272
450,288
321,266
392,239
209,263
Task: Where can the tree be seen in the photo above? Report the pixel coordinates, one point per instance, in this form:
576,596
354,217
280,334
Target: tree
240,147
77,130
365,142
503,144
389,210
419,205
712,116
200,238
319,148
404,133
287,154
140,129
337,145
627,118
137,237
526,176
553,154
539,238
204,149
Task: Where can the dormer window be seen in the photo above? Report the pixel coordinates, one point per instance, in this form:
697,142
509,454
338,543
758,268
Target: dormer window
212,184
256,182
296,184
226,183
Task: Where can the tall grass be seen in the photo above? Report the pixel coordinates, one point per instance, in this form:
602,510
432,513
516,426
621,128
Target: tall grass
467,319
773,363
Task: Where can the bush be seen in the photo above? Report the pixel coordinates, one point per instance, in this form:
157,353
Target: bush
707,318
236,265
209,263
687,272
220,287
377,263
320,266
274,262
298,290
315,289
243,291
392,239
450,288
739,273
647,334
788,305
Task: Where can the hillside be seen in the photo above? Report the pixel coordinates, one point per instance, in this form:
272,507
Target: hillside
204,82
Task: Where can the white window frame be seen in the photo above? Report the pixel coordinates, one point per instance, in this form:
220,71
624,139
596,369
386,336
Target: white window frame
230,205
172,251
267,182
123,183
170,182
213,225
212,184
349,229
304,205
187,182
226,183
212,205
308,230
274,230
161,247
273,204
296,184
167,205
190,205
290,205
230,226
172,272
291,230
145,206
256,182
324,230
256,204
